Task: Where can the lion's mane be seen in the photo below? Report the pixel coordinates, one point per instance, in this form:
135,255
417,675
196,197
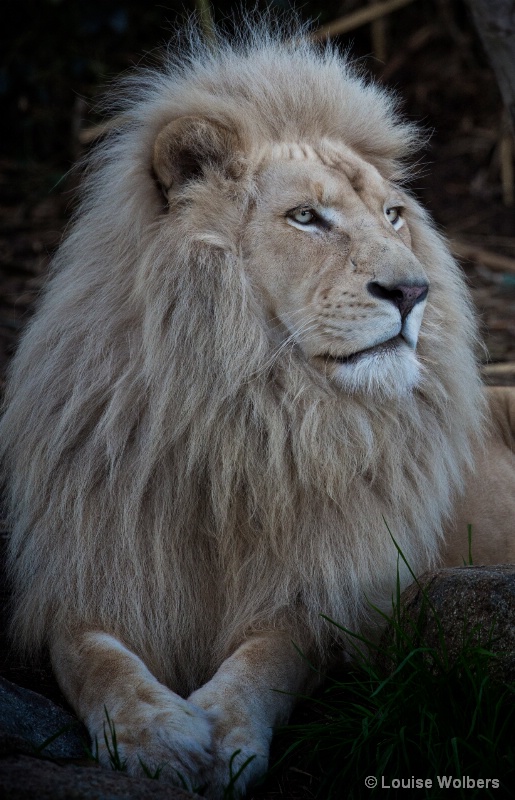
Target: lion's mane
174,477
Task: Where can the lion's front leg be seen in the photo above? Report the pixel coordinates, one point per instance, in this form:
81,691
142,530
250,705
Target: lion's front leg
108,685
251,694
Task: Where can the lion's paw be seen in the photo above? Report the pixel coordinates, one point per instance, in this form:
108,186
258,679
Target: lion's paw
164,735
241,746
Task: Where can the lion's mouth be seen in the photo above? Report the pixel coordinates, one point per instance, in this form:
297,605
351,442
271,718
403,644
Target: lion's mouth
384,348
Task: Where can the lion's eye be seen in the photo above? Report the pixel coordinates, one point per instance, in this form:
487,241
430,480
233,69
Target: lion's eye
304,216
393,215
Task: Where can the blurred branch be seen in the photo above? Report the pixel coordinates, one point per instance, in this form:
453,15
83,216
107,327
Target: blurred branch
494,261
206,19
495,23
507,368
360,17
378,30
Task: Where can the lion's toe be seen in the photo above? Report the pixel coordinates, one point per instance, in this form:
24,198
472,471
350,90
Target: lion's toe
174,743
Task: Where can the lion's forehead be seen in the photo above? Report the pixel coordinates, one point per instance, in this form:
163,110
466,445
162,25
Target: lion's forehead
325,151
335,177
333,155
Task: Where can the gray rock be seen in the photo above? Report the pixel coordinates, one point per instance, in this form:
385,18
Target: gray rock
24,778
471,605
28,723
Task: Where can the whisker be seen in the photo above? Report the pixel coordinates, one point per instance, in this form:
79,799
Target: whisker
292,313
290,342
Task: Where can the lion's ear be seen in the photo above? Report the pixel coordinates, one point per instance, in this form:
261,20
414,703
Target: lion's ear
188,144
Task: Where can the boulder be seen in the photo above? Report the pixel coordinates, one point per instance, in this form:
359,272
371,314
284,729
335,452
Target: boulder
25,778
469,606
36,725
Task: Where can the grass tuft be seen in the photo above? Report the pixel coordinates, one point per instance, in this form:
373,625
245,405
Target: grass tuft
116,761
230,790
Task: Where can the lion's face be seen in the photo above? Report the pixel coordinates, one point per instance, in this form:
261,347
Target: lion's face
329,246
326,245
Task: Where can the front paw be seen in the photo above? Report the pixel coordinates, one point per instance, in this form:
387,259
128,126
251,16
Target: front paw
161,735
241,746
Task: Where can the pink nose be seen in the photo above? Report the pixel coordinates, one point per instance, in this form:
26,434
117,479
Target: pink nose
403,296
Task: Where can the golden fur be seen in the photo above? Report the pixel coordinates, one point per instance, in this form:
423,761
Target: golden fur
190,472
488,502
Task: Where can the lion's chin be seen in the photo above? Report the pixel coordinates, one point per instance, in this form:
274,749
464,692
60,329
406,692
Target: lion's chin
389,370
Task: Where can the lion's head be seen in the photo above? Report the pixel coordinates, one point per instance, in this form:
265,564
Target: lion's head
255,349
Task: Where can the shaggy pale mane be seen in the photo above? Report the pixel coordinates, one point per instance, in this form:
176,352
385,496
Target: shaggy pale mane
176,476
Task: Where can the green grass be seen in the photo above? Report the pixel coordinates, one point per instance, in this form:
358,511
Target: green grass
408,710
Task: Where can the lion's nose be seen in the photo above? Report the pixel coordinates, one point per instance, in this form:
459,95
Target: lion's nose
403,296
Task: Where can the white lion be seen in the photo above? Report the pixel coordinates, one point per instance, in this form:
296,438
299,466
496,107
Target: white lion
253,351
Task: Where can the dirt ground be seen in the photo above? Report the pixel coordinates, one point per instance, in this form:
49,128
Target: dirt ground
435,62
